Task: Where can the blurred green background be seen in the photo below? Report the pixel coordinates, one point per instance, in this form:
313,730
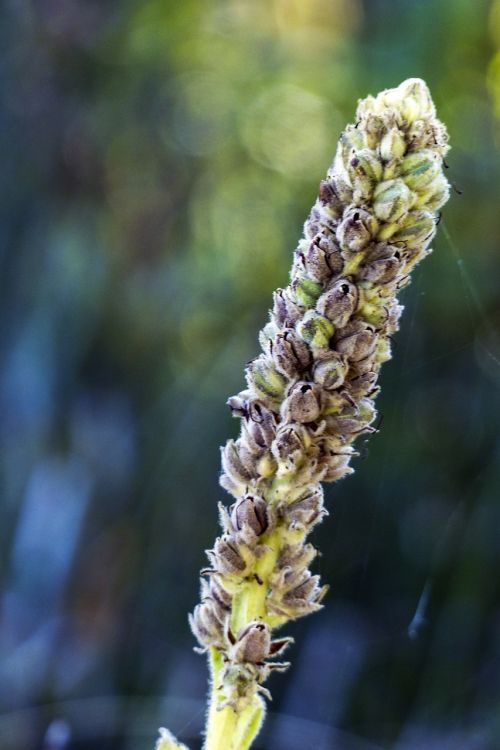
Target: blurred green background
157,162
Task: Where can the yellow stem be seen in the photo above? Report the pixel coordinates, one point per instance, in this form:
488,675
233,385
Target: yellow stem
226,728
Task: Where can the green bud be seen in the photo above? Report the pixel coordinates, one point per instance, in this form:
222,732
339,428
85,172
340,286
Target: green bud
376,315
418,170
365,163
315,330
411,98
351,138
392,145
383,350
374,129
266,382
417,228
267,334
391,200
306,291
436,194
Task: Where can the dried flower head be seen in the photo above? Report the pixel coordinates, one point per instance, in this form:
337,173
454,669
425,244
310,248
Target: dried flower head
312,391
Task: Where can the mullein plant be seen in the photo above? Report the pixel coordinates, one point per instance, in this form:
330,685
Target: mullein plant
311,393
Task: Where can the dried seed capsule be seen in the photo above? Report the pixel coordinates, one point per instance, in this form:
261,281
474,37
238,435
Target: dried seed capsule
391,200
291,443
302,403
363,385
226,557
330,371
315,330
338,302
259,425
329,198
286,312
356,229
353,419
253,643
265,381
232,464
251,511
206,636
382,265
356,341
305,593
239,404
322,259
290,354
219,593
307,510
337,467
419,169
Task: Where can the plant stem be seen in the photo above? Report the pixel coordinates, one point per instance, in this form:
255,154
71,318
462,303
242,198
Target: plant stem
227,729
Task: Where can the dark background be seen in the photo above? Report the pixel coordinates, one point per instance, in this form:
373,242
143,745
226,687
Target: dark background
157,160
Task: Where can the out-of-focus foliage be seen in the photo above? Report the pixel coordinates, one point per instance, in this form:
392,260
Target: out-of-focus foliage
158,160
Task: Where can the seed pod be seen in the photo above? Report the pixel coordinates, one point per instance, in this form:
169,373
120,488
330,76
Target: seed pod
336,467
305,593
219,593
363,385
317,221
391,200
285,311
291,443
338,302
259,425
322,259
356,341
392,145
206,636
381,266
232,464
265,381
330,371
417,228
302,403
251,511
353,419
328,197
253,643
239,404
419,169
315,330
226,557
356,229
307,510
290,354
